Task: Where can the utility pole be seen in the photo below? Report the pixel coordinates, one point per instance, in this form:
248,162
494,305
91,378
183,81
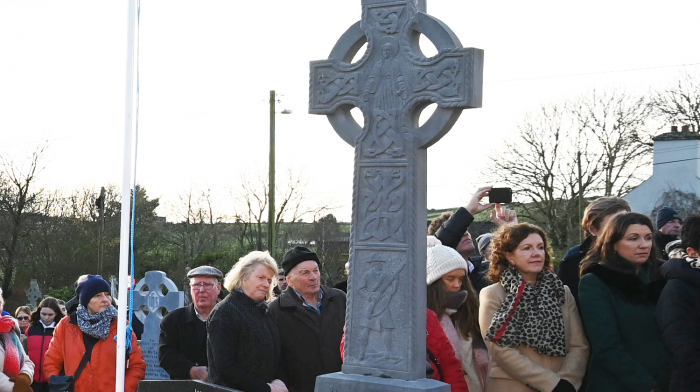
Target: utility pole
100,202
271,181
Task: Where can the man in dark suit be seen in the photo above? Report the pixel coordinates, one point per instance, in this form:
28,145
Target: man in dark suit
182,348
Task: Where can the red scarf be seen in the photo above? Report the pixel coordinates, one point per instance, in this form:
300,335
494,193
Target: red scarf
13,354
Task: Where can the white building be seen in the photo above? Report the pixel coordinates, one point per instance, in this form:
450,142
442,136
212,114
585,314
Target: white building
676,168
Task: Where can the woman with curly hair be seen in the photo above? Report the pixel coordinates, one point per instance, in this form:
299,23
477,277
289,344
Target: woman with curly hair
529,319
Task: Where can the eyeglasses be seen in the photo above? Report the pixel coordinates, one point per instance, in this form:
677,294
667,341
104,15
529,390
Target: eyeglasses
23,318
205,286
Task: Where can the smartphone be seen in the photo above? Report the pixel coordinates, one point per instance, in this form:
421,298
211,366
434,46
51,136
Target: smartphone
501,195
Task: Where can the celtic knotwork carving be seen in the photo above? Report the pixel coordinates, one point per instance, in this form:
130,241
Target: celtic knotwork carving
442,78
381,204
384,138
332,84
386,19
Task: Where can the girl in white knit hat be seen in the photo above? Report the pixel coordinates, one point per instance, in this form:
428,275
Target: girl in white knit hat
454,300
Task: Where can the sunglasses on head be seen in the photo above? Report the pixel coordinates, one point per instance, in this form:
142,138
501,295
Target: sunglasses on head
23,318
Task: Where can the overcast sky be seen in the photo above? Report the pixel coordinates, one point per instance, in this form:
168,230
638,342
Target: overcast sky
206,69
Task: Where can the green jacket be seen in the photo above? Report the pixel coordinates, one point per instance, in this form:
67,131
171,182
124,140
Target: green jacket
618,312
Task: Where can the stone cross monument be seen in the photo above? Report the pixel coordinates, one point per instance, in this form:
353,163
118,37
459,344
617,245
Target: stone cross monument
391,84
33,294
155,302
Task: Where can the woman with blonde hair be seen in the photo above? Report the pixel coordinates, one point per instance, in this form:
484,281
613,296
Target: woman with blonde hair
243,342
529,318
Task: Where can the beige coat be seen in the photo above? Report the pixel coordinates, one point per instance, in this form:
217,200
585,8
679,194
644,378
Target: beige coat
511,368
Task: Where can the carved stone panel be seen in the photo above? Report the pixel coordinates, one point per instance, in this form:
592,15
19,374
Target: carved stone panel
381,205
380,309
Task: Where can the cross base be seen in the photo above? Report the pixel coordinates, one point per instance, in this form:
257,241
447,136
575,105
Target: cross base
341,382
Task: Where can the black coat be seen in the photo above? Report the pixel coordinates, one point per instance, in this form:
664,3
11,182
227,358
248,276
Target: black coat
570,266
243,344
452,230
182,343
307,349
661,240
678,314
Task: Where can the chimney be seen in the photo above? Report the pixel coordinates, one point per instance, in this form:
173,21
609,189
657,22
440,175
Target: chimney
674,128
685,128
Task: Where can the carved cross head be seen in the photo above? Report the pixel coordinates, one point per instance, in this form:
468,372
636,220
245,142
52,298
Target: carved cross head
394,81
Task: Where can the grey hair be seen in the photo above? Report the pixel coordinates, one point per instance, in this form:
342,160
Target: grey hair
244,267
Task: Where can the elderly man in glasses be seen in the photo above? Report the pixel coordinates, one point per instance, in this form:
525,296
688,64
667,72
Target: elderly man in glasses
182,348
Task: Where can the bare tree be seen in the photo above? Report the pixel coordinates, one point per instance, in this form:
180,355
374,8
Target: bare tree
680,104
570,152
292,206
544,168
19,199
618,122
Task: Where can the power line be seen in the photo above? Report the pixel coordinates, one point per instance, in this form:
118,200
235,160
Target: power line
595,73
680,160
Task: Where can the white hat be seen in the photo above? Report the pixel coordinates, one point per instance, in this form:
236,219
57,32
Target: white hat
442,260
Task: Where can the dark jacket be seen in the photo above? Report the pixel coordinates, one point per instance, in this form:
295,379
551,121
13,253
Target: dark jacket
243,344
570,266
451,232
342,286
182,343
307,349
38,339
618,311
661,240
678,314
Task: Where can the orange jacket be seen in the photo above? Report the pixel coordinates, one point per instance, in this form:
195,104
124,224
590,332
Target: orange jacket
67,348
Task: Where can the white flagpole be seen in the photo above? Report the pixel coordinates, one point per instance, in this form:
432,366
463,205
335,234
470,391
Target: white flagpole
126,198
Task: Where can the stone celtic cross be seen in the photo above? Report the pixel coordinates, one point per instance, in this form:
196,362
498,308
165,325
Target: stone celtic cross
391,84
33,294
155,302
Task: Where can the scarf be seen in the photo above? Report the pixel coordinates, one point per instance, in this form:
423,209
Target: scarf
14,353
531,316
694,262
95,325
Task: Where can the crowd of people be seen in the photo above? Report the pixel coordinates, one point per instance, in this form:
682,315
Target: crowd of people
618,315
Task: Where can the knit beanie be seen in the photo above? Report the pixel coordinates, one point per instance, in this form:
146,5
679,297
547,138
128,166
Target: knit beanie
90,287
665,215
483,241
442,260
298,255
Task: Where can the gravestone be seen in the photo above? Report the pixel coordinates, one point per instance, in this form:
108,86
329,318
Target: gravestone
155,302
391,84
33,294
114,286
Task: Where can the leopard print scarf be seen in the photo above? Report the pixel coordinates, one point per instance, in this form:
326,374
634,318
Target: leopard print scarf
531,316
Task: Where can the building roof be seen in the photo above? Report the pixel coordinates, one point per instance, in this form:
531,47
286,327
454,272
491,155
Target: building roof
677,136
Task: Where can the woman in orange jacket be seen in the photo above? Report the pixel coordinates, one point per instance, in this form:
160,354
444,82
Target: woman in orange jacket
94,325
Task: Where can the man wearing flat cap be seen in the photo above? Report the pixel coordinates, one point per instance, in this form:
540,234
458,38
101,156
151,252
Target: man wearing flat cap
310,318
182,348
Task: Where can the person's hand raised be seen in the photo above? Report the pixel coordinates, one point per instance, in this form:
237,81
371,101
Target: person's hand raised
503,216
474,206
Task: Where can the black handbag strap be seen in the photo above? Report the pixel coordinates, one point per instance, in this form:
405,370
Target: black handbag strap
86,358
434,360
